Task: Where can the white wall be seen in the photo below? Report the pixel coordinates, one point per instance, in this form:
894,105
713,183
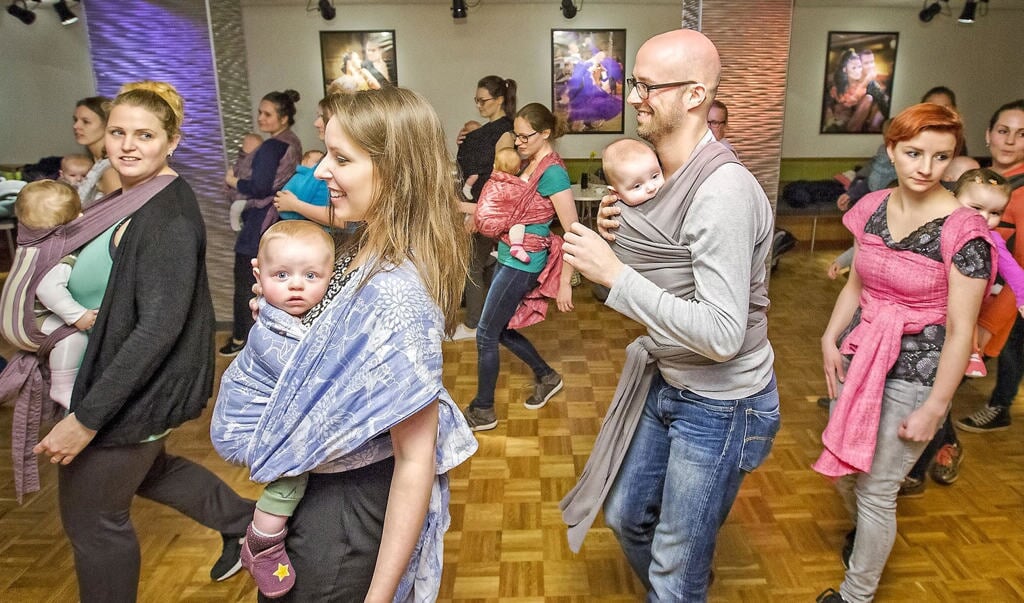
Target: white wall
980,62
46,68
440,58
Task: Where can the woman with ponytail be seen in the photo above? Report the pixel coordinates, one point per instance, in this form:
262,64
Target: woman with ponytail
149,364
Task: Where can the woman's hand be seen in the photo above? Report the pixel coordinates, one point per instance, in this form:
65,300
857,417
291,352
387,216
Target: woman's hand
922,424
231,180
585,251
286,201
606,212
833,270
835,367
843,202
564,298
65,440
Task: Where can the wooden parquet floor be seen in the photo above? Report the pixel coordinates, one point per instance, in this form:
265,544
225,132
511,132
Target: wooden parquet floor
507,543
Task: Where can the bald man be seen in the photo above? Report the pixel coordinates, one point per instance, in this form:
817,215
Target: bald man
697,407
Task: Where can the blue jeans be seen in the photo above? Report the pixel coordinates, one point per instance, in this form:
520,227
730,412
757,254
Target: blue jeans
508,287
679,479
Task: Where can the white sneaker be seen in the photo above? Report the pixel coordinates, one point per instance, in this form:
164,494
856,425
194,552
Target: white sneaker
462,332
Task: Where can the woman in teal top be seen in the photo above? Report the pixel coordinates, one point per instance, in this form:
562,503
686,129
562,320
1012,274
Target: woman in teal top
535,127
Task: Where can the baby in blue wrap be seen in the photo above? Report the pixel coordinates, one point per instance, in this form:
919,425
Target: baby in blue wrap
295,261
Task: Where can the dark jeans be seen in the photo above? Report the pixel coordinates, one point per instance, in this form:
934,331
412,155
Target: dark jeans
508,288
1010,367
242,315
476,280
335,533
96,492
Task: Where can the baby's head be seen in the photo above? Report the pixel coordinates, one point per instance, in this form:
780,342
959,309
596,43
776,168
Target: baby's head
507,160
251,142
632,171
311,158
296,258
986,192
47,204
956,168
74,168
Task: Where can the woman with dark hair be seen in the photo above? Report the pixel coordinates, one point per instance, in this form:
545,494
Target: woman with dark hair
848,101
272,165
506,308
496,101
1005,141
898,340
90,124
149,364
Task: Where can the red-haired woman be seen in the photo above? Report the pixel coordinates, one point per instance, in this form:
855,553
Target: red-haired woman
900,334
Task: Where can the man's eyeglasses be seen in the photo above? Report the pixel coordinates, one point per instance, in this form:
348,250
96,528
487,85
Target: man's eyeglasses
714,123
480,101
643,89
525,138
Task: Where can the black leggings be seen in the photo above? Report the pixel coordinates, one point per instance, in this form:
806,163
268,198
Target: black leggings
335,533
244,280
96,492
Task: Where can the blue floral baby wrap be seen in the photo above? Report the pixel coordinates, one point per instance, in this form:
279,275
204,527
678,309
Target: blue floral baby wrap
371,360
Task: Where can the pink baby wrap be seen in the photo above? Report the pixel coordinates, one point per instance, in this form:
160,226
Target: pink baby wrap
903,292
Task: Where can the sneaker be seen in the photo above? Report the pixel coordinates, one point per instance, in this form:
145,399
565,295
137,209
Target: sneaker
576,280
271,569
912,487
231,348
480,419
990,418
848,547
462,333
976,367
825,402
230,559
548,386
830,596
946,467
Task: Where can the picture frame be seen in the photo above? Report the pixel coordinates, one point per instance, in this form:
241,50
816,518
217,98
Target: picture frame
860,69
358,60
588,79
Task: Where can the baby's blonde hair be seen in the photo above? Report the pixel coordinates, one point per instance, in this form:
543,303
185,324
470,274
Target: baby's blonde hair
77,158
507,160
296,230
47,204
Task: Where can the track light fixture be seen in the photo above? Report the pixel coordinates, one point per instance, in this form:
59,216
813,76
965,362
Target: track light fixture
458,9
929,11
569,8
967,16
66,16
327,10
22,13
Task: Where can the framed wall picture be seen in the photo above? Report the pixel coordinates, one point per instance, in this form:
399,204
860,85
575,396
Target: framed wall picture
588,79
358,60
860,69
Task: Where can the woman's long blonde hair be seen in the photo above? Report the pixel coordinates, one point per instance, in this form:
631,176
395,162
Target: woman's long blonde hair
414,213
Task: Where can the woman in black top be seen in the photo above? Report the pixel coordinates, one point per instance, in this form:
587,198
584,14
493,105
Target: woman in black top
496,101
147,369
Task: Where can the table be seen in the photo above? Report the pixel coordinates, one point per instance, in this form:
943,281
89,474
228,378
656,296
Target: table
587,201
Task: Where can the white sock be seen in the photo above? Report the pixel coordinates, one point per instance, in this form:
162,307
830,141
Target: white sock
61,384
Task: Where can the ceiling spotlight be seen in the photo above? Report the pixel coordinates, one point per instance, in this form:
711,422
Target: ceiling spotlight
327,10
967,16
929,11
568,9
458,9
22,13
66,16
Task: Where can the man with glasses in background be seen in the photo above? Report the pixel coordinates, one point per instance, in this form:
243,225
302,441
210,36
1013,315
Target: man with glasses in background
697,406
